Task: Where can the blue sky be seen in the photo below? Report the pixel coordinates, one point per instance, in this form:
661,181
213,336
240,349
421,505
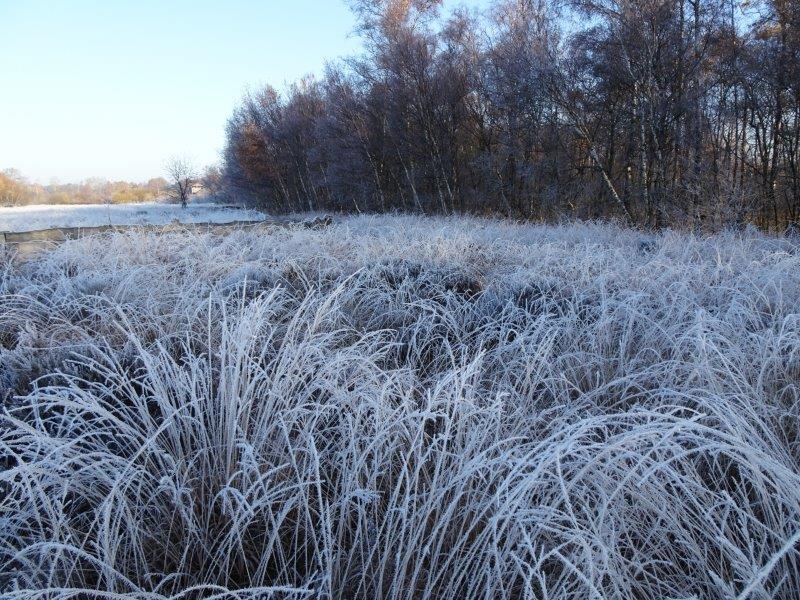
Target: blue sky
112,89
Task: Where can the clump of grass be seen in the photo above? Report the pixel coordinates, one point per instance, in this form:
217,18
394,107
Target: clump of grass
394,408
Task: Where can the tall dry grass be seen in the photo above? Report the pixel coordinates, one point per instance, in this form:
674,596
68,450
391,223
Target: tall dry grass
402,408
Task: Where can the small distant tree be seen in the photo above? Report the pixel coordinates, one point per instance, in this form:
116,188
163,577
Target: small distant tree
212,181
181,173
157,185
14,189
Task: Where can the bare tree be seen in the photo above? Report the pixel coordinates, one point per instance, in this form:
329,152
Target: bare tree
664,112
211,181
181,173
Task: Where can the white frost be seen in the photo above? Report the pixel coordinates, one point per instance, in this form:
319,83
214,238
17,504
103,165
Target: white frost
44,216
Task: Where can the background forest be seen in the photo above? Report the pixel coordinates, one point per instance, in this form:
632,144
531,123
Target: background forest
16,190
657,112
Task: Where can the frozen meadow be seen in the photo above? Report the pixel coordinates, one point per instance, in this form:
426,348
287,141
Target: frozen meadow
402,408
48,216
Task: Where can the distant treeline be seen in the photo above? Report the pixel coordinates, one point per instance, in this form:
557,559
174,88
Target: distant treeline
15,190
659,112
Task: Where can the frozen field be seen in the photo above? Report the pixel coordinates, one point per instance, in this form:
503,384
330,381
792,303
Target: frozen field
405,409
37,217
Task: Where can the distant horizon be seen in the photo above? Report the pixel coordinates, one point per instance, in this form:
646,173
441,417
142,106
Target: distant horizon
112,91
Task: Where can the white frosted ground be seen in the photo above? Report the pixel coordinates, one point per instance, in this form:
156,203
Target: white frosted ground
402,408
43,216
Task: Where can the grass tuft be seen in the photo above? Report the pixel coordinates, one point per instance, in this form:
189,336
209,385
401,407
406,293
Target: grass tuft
402,408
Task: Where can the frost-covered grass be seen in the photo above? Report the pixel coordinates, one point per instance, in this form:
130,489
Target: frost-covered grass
403,408
48,216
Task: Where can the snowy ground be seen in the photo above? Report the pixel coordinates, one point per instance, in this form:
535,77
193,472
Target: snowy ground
42,216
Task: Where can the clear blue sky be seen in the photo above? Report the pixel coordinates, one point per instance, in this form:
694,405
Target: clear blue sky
112,88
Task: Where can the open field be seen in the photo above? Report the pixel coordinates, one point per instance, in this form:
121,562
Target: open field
47,216
402,408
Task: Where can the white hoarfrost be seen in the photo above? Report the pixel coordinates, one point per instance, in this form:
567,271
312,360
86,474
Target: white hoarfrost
48,216
402,408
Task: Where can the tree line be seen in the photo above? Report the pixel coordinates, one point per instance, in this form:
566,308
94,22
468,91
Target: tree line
16,190
657,112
